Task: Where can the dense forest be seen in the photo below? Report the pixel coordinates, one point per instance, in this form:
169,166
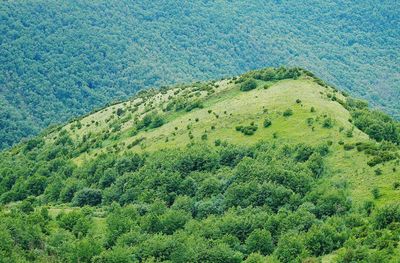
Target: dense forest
240,189
60,59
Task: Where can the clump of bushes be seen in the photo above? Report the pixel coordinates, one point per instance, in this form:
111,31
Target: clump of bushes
348,147
248,85
150,121
381,158
193,105
87,196
247,130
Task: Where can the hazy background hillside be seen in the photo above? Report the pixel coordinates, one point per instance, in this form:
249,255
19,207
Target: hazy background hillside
59,59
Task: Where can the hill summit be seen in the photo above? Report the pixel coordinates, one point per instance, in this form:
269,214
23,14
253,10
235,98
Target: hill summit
274,165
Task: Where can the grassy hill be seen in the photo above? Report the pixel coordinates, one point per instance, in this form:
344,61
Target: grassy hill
270,166
62,59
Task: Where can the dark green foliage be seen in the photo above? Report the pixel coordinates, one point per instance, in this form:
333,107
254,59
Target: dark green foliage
272,74
376,193
76,222
377,125
157,121
193,105
287,113
348,147
87,196
267,123
381,158
290,248
150,121
327,123
260,240
378,171
323,239
387,215
248,85
247,130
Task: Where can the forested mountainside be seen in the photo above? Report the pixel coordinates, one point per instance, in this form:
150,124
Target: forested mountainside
60,59
270,166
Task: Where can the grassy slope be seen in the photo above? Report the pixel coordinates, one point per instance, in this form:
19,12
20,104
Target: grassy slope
241,108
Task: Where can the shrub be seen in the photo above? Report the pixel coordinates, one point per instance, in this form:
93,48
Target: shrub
327,123
120,111
74,221
157,121
248,85
288,112
87,196
375,192
381,158
247,130
322,239
267,123
348,147
193,105
378,171
387,215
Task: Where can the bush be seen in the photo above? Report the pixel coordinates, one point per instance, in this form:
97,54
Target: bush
323,239
267,123
375,192
381,158
87,196
387,215
248,85
193,105
157,121
378,171
288,112
327,123
74,221
247,130
348,147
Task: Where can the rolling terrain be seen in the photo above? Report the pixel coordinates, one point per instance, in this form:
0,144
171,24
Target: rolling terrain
271,166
